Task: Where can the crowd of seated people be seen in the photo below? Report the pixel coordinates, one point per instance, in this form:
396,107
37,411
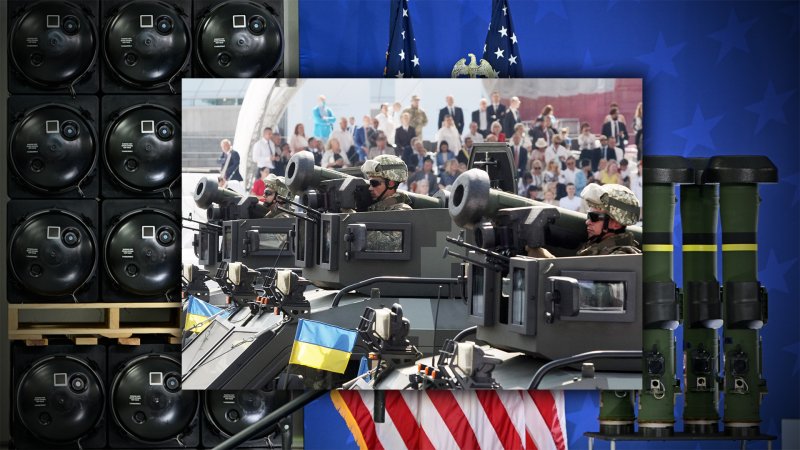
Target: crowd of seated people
551,165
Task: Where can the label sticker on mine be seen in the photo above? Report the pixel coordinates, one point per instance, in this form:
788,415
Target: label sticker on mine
32,147
32,253
134,399
239,21
32,42
59,379
126,42
39,401
219,42
53,232
229,398
127,253
127,147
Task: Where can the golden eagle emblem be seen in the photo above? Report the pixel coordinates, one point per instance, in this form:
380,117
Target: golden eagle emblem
473,70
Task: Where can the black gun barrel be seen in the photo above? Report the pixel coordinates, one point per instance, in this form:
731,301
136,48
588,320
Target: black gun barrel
207,193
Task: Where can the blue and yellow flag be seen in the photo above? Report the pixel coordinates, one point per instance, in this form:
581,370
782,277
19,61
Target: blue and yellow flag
198,314
322,346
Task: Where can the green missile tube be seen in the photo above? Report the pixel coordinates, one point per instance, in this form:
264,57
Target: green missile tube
744,299
702,309
661,307
616,412
302,174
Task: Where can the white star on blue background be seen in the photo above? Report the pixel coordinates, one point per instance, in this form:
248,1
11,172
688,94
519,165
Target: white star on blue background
698,133
734,35
660,59
770,107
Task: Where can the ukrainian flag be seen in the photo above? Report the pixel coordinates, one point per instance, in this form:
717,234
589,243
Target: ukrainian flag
198,314
322,346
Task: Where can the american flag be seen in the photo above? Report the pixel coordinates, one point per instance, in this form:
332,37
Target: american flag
440,419
401,58
501,49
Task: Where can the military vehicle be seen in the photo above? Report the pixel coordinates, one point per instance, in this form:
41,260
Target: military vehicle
564,322
536,313
331,241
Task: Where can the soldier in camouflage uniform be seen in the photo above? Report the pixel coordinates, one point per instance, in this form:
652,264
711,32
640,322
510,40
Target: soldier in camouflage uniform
418,117
612,207
385,173
275,185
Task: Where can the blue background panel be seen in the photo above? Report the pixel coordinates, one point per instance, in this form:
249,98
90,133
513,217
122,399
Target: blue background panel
720,78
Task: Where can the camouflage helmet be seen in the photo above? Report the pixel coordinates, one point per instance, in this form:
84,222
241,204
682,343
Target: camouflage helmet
276,184
619,201
390,167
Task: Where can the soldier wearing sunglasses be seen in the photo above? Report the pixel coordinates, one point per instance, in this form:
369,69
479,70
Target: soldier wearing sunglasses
612,207
385,173
274,185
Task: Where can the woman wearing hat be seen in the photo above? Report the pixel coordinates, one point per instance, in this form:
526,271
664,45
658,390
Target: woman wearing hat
538,152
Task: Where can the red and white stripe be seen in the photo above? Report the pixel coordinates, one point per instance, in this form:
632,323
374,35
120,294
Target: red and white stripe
444,420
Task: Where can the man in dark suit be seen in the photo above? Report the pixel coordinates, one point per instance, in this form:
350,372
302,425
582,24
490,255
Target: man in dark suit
520,154
453,111
482,117
404,133
544,130
229,162
496,110
512,117
616,128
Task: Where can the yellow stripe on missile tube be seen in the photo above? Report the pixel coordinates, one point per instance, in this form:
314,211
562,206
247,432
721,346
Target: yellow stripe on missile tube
657,247
739,247
700,247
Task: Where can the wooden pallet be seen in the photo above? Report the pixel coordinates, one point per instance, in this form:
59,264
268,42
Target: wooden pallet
89,333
